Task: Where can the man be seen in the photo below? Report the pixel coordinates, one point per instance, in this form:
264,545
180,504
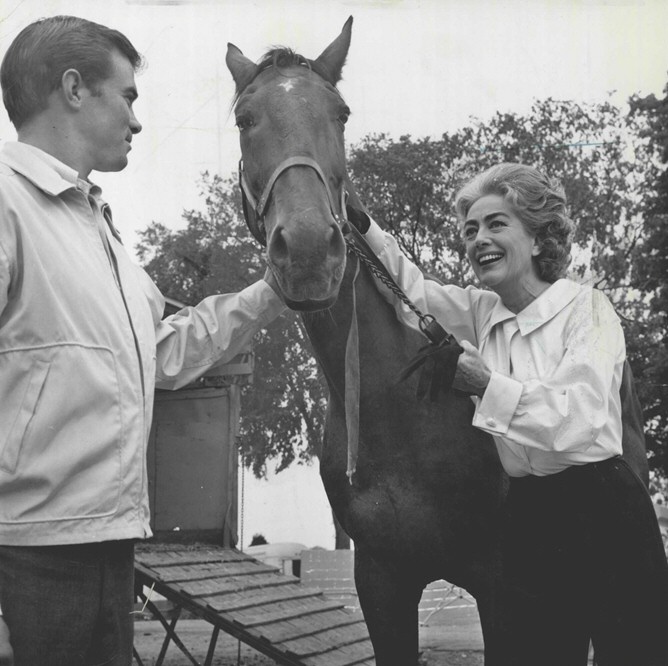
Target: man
82,346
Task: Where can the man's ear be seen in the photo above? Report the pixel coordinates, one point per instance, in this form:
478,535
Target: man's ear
71,85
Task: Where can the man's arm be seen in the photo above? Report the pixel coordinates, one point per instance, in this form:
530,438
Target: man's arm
198,338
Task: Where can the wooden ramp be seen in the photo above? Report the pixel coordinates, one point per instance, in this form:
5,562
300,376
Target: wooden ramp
274,613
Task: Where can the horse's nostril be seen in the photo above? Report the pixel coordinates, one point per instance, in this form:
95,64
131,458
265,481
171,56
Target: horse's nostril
337,244
277,249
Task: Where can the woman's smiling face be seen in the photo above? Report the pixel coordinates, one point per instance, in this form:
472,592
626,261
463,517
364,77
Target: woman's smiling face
499,247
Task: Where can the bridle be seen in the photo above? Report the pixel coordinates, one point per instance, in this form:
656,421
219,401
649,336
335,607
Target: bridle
255,210
254,213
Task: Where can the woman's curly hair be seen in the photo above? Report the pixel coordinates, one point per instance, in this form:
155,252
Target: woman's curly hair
540,203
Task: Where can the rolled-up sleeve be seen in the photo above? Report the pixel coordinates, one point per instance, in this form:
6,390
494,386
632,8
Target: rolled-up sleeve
211,333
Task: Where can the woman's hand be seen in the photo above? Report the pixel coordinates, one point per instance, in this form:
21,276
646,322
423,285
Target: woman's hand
472,374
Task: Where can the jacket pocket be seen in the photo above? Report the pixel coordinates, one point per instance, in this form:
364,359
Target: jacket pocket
63,458
27,402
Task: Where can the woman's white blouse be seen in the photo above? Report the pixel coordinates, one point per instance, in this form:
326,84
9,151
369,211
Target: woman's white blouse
553,399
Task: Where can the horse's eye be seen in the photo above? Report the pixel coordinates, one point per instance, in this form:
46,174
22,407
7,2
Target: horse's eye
244,122
343,117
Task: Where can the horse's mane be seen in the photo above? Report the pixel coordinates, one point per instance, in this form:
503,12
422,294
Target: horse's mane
283,57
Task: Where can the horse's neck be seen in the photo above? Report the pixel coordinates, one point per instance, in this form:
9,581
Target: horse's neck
384,343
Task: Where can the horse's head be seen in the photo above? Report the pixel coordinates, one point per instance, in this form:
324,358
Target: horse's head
291,119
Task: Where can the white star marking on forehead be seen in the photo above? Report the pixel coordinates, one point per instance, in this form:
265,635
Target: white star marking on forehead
288,85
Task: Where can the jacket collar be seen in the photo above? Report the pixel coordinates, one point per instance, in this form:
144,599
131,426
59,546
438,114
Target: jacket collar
550,303
43,170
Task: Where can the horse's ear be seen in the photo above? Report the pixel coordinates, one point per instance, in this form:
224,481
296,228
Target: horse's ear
243,70
333,57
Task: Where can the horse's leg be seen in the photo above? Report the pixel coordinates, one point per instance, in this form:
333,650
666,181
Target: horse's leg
389,598
490,621
484,580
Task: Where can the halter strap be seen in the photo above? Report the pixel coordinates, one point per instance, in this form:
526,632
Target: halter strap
258,206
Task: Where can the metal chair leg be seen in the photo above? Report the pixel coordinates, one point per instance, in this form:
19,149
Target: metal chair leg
212,646
171,634
136,656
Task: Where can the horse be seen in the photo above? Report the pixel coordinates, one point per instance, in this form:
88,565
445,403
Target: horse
418,489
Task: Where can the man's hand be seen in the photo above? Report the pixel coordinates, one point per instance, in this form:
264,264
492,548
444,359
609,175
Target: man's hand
472,374
6,652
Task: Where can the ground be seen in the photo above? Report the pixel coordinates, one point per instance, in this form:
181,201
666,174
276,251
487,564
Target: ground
451,638
196,634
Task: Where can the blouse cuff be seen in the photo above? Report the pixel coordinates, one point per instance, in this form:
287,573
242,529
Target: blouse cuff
498,404
375,237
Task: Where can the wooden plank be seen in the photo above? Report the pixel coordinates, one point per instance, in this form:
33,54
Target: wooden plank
205,570
198,588
350,601
186,553
283,610
235,601
291,628
326,640
343,656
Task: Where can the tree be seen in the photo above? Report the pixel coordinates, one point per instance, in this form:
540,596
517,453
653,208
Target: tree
652,265
214,253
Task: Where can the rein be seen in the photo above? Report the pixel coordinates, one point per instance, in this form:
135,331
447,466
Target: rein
254,213
356,242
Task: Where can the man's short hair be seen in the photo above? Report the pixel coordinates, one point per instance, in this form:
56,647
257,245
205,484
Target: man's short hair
43,51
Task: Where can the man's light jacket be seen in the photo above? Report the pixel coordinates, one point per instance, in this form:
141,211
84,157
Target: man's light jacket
82,346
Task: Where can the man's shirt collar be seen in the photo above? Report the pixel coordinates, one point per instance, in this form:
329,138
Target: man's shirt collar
45,171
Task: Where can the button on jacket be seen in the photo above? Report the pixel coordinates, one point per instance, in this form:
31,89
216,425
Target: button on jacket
553,399
82,346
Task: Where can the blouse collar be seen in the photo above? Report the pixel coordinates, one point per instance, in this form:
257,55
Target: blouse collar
545,307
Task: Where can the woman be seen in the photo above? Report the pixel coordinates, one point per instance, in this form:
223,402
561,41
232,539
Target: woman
543,356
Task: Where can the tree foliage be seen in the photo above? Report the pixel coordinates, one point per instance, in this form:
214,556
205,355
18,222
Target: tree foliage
608,161
652,265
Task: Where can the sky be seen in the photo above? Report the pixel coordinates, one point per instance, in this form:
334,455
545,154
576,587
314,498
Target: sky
418,67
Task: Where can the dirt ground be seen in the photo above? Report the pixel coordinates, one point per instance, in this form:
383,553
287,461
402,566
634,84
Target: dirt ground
196,634
453,640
